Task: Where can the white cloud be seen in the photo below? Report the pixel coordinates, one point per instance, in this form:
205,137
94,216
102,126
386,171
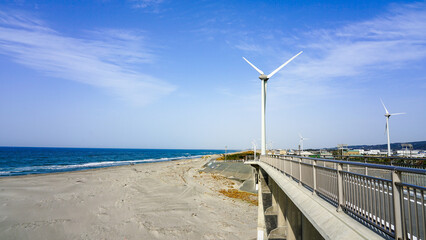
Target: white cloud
145,3
385,42
107,59
250,47
389,42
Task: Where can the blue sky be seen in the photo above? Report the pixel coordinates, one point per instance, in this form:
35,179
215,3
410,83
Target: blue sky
170,74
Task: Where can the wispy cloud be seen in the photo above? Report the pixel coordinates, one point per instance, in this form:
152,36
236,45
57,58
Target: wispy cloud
146,3
388,42
247,47
106,59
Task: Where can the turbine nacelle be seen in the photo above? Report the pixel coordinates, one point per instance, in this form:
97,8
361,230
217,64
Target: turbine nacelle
263,77
387,114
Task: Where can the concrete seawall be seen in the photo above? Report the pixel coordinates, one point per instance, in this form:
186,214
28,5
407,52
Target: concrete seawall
234,170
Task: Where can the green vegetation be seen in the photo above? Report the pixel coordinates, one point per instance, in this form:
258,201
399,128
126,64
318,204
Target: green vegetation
237,156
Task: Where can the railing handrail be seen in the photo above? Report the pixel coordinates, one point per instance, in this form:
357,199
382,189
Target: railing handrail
370,165
382,157
378,201
371,177
411,185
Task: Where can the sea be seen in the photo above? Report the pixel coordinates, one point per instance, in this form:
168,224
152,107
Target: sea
31,160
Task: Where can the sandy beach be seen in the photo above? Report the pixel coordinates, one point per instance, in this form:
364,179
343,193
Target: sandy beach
164,200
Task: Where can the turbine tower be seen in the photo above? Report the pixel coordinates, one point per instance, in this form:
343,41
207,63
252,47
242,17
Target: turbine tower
264,78
301,141
387,115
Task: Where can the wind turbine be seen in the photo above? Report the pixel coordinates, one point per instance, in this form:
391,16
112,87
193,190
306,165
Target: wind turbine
387,115
301,141
264,78
254,149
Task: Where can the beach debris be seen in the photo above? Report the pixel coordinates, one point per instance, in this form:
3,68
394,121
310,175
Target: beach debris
237,194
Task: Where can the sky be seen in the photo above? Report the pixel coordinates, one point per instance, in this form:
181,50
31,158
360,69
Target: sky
170,74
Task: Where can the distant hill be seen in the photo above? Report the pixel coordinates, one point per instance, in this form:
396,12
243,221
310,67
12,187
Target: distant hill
421,145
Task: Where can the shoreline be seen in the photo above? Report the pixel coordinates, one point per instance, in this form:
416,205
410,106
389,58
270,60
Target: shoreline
127,164
157,200
85,170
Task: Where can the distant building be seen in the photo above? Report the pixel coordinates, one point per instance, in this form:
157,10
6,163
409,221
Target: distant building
326,154
283,152
291,152
361,151
407,152
306,154
421,154
372,152
354,152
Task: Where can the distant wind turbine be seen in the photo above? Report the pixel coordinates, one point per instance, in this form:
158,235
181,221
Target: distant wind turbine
387,115
301,139
254,149
264,78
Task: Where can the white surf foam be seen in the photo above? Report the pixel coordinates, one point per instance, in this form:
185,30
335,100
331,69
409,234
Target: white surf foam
55,168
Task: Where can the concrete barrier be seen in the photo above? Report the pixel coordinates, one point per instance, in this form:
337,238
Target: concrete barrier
288,210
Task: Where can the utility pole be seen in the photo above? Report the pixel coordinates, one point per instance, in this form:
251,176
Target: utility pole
254,150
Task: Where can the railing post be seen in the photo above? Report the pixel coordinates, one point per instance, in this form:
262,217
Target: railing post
284,161
339,187
300,171
314,171
396,178
366,168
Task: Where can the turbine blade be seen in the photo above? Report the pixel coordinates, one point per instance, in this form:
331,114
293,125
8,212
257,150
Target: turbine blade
257,69
279,68
397,114
384,105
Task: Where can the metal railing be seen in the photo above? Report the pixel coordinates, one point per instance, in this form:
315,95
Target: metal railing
378,195
233,160
394,161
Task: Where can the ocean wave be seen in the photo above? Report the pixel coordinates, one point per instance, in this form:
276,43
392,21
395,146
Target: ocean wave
82,166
